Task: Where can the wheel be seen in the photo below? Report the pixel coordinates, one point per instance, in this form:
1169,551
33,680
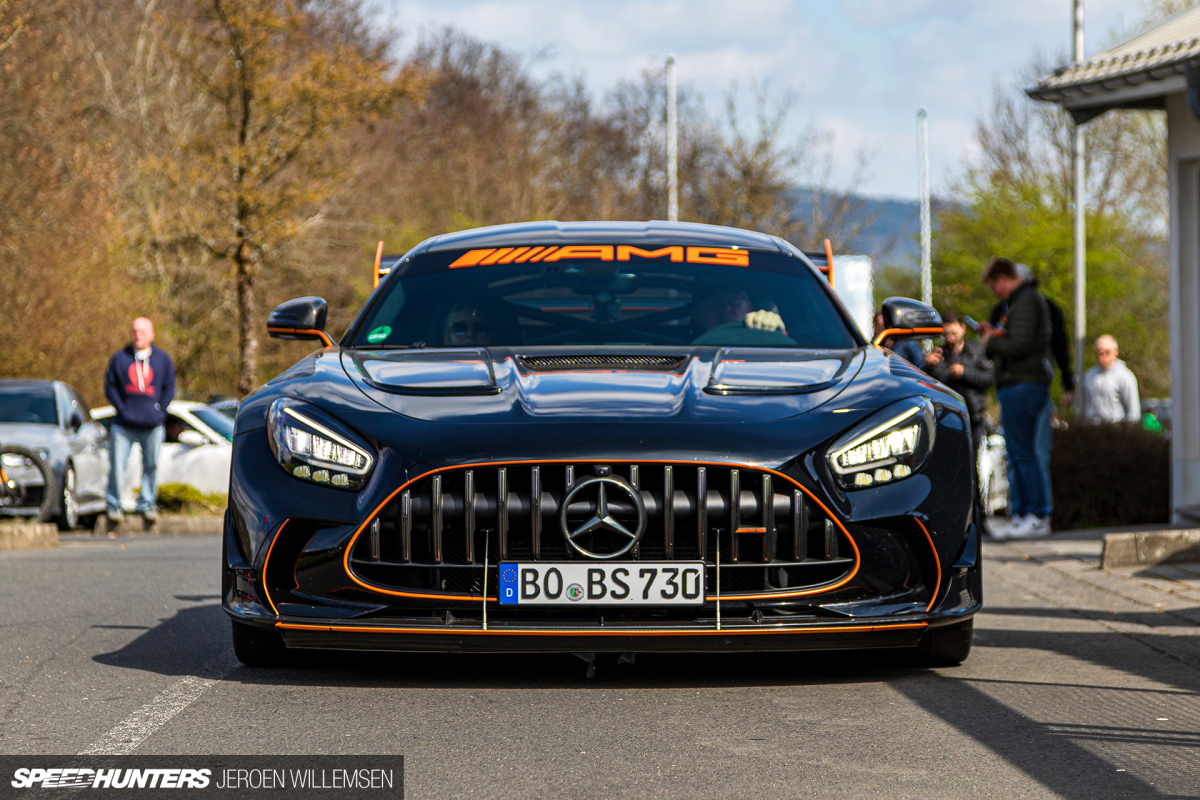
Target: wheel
17,494
68,520
258,647
947,646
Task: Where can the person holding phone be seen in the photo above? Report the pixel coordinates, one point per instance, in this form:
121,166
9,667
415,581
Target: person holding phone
963,366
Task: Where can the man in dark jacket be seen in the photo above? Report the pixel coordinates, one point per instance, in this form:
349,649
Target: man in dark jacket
140,383
1060,349
1020,349
963,367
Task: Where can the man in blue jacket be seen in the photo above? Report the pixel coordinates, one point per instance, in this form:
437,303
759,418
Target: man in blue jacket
140,383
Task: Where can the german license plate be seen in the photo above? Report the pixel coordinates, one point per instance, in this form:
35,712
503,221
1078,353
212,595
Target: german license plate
628,583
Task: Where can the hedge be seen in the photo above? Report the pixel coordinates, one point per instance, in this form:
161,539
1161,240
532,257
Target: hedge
1109,475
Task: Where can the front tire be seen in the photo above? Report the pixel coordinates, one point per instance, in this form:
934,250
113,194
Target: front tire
947,646
258,647
68,520
17,496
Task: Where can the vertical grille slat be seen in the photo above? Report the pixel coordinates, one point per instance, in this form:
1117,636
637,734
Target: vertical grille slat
469,514
535,511
735,513
768,517
502,510
406,525
831,546
799,526
435,499
702,511
669,511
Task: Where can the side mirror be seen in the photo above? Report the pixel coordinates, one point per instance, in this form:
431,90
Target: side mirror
75,422
910,319
193,438
303,318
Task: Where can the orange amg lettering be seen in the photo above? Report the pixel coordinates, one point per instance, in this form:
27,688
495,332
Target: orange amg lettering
602,252
471,258
496,256
625,251
718,255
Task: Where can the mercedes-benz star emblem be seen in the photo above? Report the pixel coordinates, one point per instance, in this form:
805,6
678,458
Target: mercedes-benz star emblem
603,528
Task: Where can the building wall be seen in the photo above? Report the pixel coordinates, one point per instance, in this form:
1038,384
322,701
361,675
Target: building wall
1183,152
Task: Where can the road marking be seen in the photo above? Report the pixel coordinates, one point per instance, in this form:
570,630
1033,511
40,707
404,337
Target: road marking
141,724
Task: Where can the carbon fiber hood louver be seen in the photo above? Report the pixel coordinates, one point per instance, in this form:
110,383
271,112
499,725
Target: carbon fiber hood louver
603,361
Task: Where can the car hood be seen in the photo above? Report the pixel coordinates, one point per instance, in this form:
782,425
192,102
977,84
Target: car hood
498,386
28,434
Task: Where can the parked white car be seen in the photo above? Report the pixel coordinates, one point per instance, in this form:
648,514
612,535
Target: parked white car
197,450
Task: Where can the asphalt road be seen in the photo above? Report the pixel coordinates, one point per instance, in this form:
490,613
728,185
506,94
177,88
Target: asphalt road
121,646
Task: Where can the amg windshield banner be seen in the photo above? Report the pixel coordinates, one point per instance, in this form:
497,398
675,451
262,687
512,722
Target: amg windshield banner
202,776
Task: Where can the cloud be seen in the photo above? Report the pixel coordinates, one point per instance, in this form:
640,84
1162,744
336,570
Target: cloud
862,67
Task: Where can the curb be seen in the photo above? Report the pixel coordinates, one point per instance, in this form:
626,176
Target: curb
1147,548
166,526
28,537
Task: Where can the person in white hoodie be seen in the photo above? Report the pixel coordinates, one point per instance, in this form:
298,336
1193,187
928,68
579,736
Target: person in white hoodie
1110,390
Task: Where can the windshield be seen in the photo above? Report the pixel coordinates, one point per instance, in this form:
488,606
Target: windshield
603,295
214,419
28,404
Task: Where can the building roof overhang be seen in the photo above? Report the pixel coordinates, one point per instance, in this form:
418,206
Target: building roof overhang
1138,73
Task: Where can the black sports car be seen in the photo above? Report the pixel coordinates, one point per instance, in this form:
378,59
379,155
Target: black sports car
585,437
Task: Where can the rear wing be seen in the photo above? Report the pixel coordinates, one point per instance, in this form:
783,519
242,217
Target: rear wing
383,265
822,261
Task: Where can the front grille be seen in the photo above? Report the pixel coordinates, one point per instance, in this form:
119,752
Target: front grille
639,362
433,535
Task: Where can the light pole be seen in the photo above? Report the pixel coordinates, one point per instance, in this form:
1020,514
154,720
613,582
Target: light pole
926,234
672,145
1080,232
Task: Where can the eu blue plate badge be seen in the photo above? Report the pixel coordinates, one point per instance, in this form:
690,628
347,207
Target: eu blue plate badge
508,585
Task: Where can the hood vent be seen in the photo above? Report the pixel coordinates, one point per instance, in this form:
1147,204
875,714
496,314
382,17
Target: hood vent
900,367
603,361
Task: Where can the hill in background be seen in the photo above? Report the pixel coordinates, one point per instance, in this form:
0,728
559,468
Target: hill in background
891,238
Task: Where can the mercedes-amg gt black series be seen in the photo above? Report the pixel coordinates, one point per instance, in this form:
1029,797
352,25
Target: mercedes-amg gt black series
602,437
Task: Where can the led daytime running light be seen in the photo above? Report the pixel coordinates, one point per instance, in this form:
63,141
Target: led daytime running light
897,443
329,448
321,449
871,447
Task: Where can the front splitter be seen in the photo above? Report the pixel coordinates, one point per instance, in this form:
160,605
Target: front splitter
510,639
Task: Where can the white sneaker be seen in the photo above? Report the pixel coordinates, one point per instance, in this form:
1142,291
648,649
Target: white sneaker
999,530
1030,527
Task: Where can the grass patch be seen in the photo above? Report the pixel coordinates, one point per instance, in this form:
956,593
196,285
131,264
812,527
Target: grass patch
180,498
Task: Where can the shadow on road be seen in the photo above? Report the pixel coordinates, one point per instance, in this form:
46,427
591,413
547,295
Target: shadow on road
1048,753
195,635
1061,755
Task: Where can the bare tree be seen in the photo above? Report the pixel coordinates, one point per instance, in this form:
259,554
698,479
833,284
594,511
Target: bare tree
279,83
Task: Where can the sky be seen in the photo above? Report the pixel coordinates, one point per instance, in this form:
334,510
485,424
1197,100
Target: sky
860,69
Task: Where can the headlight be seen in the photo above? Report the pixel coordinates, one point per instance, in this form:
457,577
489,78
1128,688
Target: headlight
16,460
314,447
885,447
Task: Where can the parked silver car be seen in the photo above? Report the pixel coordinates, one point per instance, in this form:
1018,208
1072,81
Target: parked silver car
50,418
196,450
